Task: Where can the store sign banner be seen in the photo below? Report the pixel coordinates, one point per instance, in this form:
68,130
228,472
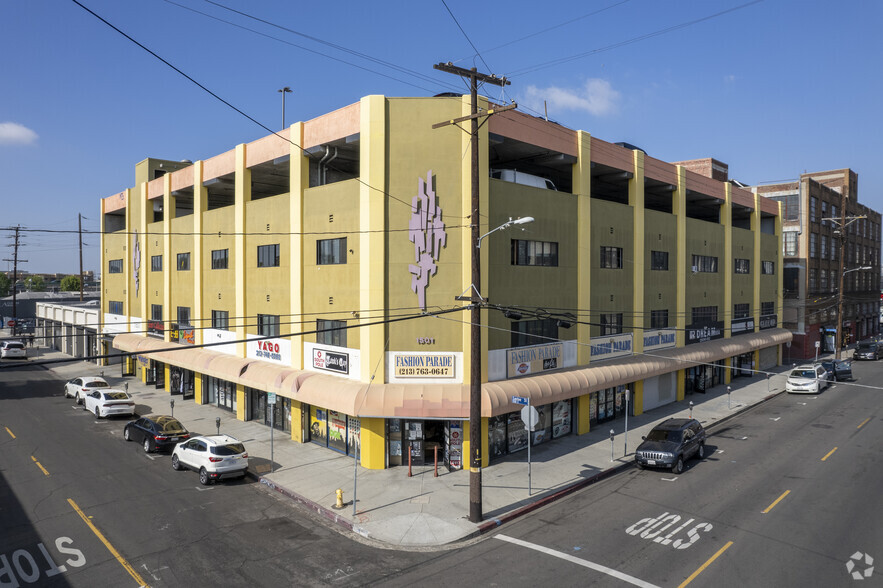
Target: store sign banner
745,325
331,361
423,365
659,339
769,321
702,332
155,328
272,350
523,361
184,335
611,346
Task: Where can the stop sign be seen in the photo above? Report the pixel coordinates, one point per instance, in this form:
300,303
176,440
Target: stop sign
10,323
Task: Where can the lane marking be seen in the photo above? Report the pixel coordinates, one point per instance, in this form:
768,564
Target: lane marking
110,547
706,564
829,454
39,465
775,419
578,561
864,422
776,501
13,436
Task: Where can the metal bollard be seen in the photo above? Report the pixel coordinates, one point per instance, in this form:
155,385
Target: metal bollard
691,409
409,462
611,446
435,452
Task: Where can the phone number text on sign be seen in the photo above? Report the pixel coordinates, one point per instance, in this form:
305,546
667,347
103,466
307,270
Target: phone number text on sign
424,366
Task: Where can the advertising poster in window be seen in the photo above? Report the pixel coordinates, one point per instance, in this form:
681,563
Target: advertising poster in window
517,433
337,431
560,419
454,445
543,430
318,432
354,436
497,435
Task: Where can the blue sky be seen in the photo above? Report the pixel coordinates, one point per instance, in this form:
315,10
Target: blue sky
773,88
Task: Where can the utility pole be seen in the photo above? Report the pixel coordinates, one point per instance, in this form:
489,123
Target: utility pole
284,91
81,255
475,434
842,223
15,261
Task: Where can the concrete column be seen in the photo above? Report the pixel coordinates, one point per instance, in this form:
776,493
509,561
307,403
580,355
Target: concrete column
582,190
299,180
242,196
727,222
679,208
636,201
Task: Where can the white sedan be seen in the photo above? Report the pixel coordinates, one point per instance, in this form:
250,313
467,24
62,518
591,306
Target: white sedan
13,350
109,402
78,388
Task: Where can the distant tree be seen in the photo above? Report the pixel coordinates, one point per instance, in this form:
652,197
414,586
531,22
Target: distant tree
35,283
70,284
5,283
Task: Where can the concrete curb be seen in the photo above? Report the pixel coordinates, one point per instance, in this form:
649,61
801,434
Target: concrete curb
320,510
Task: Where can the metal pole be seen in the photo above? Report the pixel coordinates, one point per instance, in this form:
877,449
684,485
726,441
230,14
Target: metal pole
529,443
475,439
625,446
612,433
728,397
284,91
272,423
356,469
80,217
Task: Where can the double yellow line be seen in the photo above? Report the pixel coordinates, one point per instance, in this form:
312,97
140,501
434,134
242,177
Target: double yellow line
126,565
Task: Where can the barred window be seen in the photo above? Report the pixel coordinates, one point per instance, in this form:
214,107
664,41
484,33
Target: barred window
114,307
767,308
705,264
742,266
813,280
703,314
268,325
331,332
156,312
534,332
543,253
115,266
268,255
813,244
658,319
221,320
813,207
789,243
741,310
183,262
824,254
219,258
823,280
183,315
156,263
659,260
611,323
331,251
768,267
611,257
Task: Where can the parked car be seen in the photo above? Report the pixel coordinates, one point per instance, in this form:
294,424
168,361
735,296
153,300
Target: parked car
839,369
807,379
215,457
109,402
13,350
78,388
670,443
156,432
868,349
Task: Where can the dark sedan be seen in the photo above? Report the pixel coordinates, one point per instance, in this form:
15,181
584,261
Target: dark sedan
841,368
156,432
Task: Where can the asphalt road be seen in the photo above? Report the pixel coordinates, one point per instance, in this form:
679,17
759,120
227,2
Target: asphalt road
788,496
81,507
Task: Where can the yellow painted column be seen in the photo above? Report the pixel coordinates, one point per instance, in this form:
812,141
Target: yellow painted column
779,280
681,384
727,222
240,402
679,209
169,264
372,443
728,371
197,387
467,443
372,238
129,307
297,413
146,281
200,206
166,377
583,414
636,201
638,398
582,190
242,187
299,180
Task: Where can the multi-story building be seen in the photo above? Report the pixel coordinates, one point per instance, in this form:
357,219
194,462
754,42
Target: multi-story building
325,267
826,231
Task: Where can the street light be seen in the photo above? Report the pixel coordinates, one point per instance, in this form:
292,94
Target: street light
475,438
284,91
838,342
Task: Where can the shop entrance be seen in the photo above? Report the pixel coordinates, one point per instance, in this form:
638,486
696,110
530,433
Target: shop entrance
425,441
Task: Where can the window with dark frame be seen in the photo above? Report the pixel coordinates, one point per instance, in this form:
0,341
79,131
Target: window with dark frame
536,332
331,332
268,255
659,260
156,263
767,308
705,264
611,323
741,310
219,258
702,314
742,266
789,243
184,262
268,325
183,315
115,266
156,312
659,319
768,267
114,307
611,257
331,251
221,320
542,253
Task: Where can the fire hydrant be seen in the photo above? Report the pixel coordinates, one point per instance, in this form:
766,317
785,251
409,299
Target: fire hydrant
339,493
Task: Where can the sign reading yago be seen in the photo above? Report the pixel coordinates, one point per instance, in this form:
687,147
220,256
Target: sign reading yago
536,359
659,339
427,231
273,350
331,361
611,346
424,365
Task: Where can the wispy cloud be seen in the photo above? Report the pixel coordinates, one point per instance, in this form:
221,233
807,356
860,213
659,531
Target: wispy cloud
730,79
597,97
15,134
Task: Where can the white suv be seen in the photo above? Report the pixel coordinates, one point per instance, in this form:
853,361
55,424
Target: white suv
215,457
13,350
807,379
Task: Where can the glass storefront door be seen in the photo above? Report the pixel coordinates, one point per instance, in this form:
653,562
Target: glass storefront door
221,393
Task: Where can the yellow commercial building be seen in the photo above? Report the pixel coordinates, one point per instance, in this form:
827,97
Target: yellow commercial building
325,267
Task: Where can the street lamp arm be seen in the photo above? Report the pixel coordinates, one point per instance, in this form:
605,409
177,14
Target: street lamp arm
510,222
855,269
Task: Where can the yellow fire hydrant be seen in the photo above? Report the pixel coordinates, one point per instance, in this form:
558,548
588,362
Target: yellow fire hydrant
339,493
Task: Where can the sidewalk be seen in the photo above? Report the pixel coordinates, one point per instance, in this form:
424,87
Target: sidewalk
423,510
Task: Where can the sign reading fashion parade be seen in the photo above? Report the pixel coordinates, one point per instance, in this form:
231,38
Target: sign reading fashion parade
427,231
611,346
522,361
423,365
700,333
659,339
743,325
331,361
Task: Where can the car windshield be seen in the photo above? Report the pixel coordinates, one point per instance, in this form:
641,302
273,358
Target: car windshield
803,374
116,396
96,384
169,425
229,449
866,345
661,435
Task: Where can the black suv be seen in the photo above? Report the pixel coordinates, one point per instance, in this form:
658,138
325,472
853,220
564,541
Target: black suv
670,443
867,350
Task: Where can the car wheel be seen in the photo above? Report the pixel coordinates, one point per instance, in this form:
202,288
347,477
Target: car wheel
126,434
701,451
176,465
678,466
148,446
203,477
97,413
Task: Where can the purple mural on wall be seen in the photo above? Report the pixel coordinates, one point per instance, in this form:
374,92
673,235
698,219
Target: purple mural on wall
427,231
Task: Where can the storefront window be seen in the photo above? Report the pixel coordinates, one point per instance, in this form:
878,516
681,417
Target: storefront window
517,433
561,414
497,435
221,393
337,431
318,426
542,432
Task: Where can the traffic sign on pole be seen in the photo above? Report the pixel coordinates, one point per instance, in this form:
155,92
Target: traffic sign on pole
520,400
